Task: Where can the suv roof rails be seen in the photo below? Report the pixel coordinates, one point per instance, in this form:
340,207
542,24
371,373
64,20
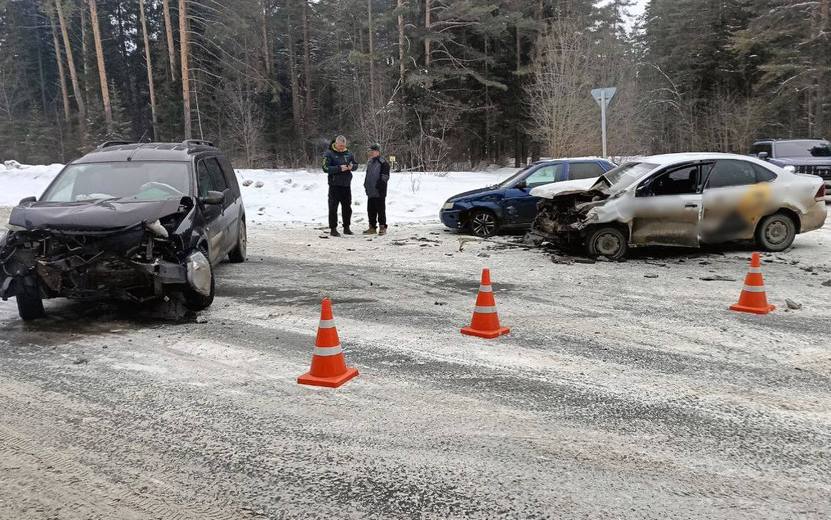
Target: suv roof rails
108,144
197,142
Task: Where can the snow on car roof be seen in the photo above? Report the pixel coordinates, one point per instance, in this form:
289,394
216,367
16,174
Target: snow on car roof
672,158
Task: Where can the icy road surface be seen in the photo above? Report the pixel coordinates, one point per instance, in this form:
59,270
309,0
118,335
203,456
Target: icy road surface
624,390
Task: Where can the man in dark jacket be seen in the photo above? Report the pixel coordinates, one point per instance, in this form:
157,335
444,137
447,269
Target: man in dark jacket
338,163
375,184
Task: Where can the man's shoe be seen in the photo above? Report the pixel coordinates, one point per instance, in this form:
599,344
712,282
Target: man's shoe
371,231
334,233
382,230
347,231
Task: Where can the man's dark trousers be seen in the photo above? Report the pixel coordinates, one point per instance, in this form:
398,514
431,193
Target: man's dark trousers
340,195
377,209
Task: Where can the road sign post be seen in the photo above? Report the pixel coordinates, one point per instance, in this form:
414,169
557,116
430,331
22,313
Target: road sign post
604,96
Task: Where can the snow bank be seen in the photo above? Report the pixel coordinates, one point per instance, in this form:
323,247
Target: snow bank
25,181
300,196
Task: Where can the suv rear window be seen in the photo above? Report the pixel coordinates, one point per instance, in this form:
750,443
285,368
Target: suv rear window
585,170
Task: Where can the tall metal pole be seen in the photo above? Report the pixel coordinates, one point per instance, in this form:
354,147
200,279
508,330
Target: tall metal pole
603,119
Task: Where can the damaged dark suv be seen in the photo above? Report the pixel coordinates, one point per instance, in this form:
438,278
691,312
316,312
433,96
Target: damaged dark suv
137,222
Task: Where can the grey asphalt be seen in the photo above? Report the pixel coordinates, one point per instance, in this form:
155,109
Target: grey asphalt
623,391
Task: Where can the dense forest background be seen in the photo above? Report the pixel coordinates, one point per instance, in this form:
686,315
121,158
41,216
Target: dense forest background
439,83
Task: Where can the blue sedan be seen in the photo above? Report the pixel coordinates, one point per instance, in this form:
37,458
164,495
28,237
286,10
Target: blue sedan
509,205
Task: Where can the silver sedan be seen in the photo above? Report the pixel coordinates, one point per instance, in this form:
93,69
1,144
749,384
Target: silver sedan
683,200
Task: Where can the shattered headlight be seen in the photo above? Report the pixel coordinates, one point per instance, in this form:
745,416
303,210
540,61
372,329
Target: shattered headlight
12,227
199,273
448,205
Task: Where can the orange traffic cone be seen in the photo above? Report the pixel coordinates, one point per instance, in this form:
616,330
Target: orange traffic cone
753,298
328,364
485,322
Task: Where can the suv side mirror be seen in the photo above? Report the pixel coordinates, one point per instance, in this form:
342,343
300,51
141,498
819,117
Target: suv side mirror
27,200
213,198
763,156
522,185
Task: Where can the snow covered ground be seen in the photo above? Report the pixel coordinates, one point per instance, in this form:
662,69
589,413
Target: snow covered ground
299,196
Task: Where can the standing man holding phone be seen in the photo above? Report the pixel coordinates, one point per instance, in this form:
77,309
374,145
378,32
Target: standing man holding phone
339,163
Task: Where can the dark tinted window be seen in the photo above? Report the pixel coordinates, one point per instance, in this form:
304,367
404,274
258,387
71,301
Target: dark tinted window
731,172
763,174
758,148
803,149
678,181
217,177
230,177
209,177
587,170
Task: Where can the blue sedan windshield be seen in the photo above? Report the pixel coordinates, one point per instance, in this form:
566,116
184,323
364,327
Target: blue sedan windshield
510,181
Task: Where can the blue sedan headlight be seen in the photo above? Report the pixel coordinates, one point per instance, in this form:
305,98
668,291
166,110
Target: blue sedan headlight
448,205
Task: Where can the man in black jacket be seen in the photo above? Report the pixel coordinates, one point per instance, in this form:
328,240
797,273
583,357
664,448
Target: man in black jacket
375,184
339,163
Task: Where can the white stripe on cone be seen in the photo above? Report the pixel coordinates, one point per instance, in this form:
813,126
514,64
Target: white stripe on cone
753,288
485,288
485,310
756,270
328,351
327,324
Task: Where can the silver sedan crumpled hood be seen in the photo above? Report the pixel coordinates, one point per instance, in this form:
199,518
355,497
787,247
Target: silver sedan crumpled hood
548,191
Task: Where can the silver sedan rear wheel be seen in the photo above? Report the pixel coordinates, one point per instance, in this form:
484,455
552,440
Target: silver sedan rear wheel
776,232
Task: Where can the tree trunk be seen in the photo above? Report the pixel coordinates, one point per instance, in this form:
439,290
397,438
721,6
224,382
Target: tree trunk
307,65
76,89
40,66
171,48
102,71
266,45
427,26
518,50
822,79
184,52
370,31
84,53
61,74
296,109
149,62
401,42
130,78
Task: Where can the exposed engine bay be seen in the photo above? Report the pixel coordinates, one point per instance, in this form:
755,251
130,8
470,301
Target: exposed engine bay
135,263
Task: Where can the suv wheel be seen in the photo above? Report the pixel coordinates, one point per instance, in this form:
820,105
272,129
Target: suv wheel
238,254
776,232
607,241
483,223
29,301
